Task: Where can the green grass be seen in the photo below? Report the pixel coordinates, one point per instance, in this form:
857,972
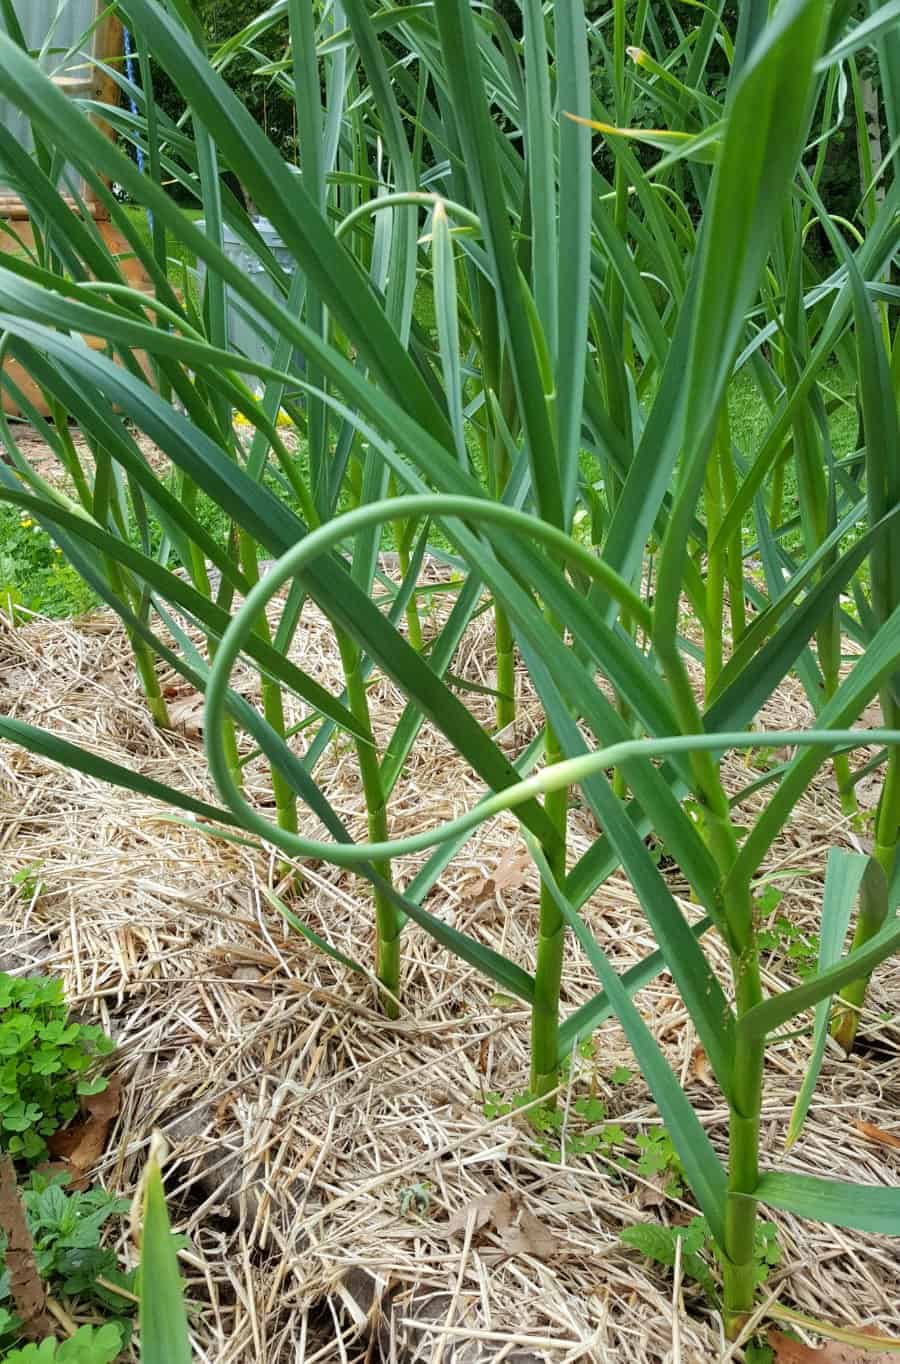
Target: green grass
749,418
33,574
178,255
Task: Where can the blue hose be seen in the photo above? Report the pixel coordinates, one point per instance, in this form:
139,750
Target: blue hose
129,72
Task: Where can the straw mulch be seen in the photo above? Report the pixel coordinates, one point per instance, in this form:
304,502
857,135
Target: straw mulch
345,1195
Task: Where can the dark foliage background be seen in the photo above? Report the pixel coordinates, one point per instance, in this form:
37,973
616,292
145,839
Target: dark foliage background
273,107
269,105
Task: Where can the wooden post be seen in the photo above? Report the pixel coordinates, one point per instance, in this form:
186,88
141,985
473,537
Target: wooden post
108,46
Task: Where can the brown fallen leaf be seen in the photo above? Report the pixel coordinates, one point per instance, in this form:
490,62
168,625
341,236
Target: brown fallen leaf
25,1283
176,688
509,873
878,1134
530,1237
495,1210
81,1145
790,1351
652,1194
700,1067
518,1230
186,716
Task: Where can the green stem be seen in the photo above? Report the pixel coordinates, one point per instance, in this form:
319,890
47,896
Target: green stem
551,942
872,907
619,784
776,501
156,704
413,623
188,492
738,1264
499,474
713,636
506,669
745,1098
388,925
69,455
828,641
734,554
273,701
143,655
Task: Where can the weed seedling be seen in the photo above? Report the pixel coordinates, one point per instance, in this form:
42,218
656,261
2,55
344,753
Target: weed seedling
27,881
658,1244
44,1057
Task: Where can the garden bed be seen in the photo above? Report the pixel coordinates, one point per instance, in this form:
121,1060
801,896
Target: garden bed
355,1188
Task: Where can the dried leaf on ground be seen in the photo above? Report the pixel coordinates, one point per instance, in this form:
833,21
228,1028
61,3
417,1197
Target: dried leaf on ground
186,716
496,1210
530,1237
791,1351
80,1146
510,872
878,1134
701,1070
25,1284
518,1230
652,1194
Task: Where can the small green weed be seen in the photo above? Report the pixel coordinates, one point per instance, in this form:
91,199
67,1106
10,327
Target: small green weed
785,938
416,1198
559,1132
27,881
780,935
758,1354
659,1243
66,1229
659,1158
43,1060
89,1345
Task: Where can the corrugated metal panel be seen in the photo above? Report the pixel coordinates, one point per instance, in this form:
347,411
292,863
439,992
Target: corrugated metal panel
63,30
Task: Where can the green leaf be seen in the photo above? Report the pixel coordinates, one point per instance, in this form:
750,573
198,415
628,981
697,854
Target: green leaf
655,1242
174,589
279,197
879,661
163,1319
587,1018
47,745
310,935
573,82
447,321
864,34
843,877
89,1345
861,1207
702,1168
759,1021
97,1086
478,138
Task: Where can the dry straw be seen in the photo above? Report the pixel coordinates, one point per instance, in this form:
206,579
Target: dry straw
529,373
297,1119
